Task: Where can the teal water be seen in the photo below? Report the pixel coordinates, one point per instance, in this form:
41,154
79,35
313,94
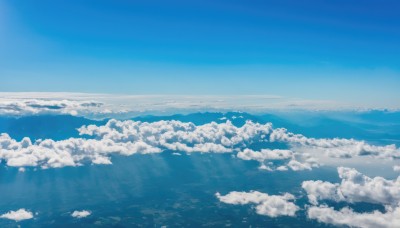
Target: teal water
150,191
158,189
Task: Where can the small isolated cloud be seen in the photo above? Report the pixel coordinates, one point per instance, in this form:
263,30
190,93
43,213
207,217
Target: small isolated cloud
269,205
18,215
396,168
81,214
347,217
355,187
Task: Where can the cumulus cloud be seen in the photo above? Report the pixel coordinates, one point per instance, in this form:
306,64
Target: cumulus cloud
135,137
269,205
396,168
18,215
281,160
81,214
49,153
355,187
347,217
180,136
318,190
127,138
336,147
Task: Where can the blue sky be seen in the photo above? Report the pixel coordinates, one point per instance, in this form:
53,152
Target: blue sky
338,50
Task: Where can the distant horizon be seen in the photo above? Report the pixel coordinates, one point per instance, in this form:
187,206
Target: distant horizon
125,106
345,52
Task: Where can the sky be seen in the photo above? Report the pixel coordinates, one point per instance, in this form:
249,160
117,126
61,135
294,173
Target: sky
345,50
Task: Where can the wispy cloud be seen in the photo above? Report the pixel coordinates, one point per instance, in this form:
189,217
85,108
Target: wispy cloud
119,106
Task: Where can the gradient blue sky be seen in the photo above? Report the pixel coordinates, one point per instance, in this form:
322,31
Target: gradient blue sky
344,50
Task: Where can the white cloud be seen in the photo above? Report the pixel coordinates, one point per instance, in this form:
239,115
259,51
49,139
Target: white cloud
396,168
272,159
127,138
81,214
269,205
265,154
355,187
346,216
134,137
114,106
71,152
180,136
336,147
317,190
30,106
18,215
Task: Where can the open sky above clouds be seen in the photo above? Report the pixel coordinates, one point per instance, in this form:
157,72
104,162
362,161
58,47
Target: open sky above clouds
344,51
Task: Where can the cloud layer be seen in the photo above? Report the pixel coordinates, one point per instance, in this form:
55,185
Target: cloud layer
134,137
127,138
114,106
269,205
24,107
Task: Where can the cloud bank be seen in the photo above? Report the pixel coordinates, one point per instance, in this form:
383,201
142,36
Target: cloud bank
116,106
135,137
127,138
269,205
25,107
337,147
347,217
